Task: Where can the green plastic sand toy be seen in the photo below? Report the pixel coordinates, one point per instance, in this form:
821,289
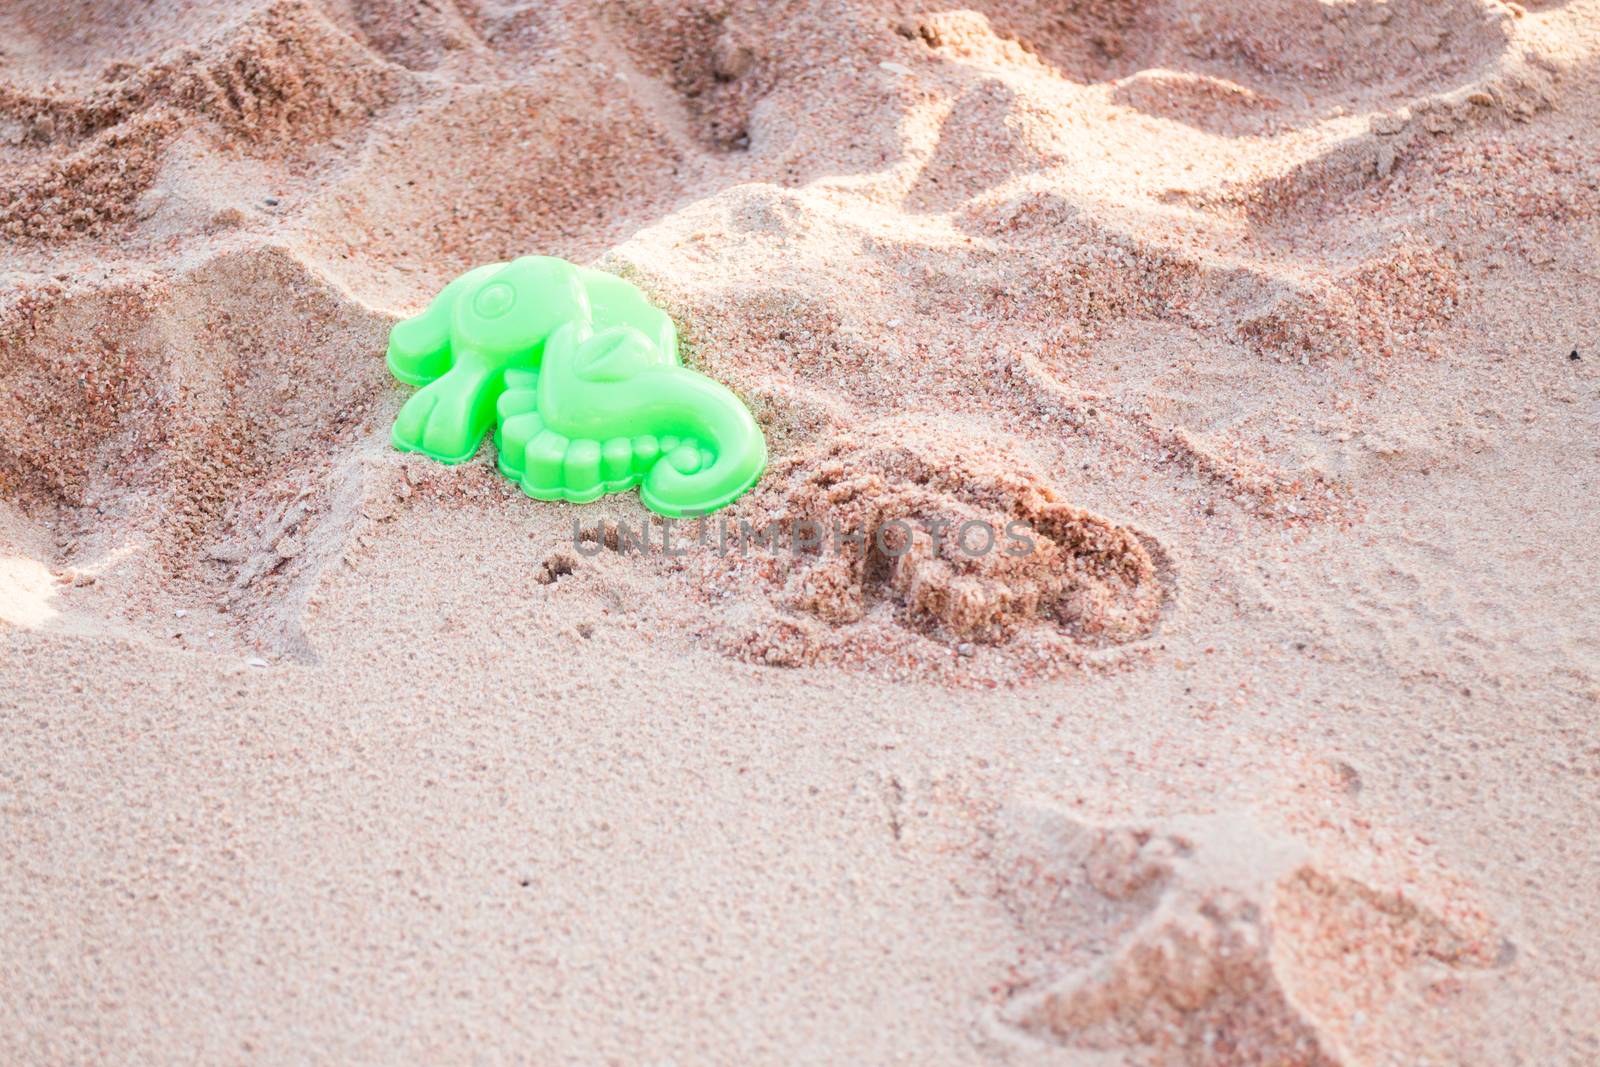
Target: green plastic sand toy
609,410
583,375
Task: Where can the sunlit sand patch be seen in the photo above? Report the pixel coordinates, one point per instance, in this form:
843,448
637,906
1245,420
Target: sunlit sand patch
26,589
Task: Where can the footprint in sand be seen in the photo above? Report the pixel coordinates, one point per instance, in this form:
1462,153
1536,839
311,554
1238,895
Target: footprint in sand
1207,940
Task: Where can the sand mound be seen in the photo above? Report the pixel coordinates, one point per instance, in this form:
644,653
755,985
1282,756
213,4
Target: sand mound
717,58
1387,307
283,74
551,170
1077,41
957,543
905,547
1280,48
179,443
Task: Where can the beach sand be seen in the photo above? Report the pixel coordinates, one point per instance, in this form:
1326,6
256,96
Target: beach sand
1275,325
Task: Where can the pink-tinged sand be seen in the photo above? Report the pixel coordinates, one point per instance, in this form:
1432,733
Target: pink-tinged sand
1273,325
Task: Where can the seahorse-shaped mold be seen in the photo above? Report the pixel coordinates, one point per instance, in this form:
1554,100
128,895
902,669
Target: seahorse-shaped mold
609,410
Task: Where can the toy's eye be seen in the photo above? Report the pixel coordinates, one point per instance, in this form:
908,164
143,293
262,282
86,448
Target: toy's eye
494,300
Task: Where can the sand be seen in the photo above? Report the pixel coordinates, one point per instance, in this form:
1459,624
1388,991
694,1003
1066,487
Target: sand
1274,325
